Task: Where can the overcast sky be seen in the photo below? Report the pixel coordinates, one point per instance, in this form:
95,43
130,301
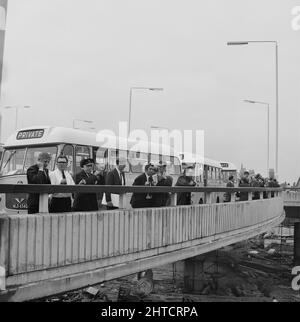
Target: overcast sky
75,59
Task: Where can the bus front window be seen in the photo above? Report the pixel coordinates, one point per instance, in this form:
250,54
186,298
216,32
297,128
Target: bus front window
33,153
12,162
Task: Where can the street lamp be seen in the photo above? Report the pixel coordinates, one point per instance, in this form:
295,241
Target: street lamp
17,109
268,127
84,121
130,100
239,43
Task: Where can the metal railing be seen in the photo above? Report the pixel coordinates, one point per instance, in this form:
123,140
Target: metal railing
122,191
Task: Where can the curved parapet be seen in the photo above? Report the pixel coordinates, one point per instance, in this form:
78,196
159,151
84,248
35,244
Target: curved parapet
53,253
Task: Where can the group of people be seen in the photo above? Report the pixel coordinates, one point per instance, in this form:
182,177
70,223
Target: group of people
63,202
66,202
254,181
152,176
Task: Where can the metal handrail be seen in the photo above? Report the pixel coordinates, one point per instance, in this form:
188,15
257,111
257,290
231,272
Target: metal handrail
47,188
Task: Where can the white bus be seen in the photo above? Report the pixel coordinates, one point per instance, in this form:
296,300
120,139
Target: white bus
207,173
23,147
228,169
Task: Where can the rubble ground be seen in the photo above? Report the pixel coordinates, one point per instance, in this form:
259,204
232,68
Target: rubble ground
257,270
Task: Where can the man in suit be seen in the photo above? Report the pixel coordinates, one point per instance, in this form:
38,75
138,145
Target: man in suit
185,180
144,200
86,201
163,180
38,174
116,177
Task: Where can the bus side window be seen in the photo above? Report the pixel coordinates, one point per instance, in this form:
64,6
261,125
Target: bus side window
155,158
68,152
137,161
81,152
116,154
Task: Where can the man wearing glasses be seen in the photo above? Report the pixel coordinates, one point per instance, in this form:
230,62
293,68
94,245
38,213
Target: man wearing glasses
61,202
86,201
38,174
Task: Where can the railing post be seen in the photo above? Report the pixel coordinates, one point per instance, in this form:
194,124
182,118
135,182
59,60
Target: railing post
249,195
261,195
122,200
232,197
208,197
173,199
44,203
268,194
4,244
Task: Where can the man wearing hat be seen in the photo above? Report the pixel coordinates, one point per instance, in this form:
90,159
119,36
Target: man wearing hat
244,182
86,201
37,174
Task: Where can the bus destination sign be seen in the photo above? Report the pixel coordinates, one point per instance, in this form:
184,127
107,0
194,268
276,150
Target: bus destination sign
224,165
30,134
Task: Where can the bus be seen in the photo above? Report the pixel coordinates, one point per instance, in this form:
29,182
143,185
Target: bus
207,173
23,147
228,169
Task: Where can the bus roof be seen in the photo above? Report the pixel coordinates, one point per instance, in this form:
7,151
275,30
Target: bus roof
192,158
40,135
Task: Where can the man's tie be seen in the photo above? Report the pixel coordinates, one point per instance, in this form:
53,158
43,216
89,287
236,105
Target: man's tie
63,174
150,181
122,178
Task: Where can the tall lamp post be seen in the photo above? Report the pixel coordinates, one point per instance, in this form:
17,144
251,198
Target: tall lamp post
241,43
268,128
17,110
130,100
84,121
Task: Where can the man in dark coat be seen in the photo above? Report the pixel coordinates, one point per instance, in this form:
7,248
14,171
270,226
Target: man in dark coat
143,200
162,199
116,177
256,182
37,174
244,182
186,180
86,201
230,184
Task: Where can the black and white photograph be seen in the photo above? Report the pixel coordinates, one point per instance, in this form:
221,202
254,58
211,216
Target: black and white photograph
150,154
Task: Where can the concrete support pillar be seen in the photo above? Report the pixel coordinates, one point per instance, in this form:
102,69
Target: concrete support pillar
297,244
195,270
193,274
